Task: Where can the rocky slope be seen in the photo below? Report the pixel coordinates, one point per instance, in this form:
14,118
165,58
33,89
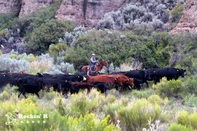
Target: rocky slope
89,12
29,6
188,21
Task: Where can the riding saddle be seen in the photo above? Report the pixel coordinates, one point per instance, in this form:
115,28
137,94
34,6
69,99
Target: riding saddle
92,68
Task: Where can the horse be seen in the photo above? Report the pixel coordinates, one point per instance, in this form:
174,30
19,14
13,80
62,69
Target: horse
98,67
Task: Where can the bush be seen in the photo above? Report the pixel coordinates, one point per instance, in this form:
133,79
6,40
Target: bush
47,34
177,12
190,100
118,48
178,127
6,20
187,120
136,115
111,109
83,103
56,50
155,99
22,115
172,88
141,93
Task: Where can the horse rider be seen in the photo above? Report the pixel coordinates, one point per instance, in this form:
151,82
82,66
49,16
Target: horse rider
93,62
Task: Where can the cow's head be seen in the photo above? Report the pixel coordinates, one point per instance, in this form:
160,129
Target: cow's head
181,72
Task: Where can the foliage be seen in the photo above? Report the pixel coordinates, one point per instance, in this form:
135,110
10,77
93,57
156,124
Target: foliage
15,62
27,24
179,127
187,120
177,12
47,34
2,32
155,99
26,115
57,49
147,13
112,110
118,48
190,100
6,20
141,93
135,116
70,38
172,88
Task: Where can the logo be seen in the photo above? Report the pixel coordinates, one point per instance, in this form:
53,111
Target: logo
11,118
25,118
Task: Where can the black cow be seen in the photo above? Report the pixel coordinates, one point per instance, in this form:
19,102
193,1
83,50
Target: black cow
30,84
4,78
77,86
140,75
169,73
73,78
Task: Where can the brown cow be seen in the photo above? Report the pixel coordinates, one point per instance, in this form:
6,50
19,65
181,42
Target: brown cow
123,80
119,79
102,78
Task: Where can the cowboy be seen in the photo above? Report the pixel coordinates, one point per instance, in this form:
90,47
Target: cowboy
93,62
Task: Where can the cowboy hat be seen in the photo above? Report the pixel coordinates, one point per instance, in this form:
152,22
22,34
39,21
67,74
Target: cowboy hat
93,54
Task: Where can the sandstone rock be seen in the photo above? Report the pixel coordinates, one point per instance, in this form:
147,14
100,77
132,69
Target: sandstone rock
87,12
7,6
29,6
188,21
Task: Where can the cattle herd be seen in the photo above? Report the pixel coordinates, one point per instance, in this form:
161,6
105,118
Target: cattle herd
67,83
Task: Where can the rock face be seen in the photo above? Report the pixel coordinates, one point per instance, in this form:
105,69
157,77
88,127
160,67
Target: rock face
87,12
29,6
188,21
6,6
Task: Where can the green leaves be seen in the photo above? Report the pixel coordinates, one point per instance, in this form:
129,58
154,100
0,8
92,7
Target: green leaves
47,34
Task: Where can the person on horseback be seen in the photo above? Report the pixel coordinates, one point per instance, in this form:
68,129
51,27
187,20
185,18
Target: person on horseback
93,62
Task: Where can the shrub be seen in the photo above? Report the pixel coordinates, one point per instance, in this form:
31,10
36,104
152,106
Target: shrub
111,109
47,34
71,38
57,50
112,20
172,88
6,20
4,95
190,100
27,24
177,12
81,103
191,84
141,93
118,48
136,115
155,99
187,120
178,127
183,118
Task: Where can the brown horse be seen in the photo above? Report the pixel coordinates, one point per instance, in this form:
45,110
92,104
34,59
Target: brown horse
98,67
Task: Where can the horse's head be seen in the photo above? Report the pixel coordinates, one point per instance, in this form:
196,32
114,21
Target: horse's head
104,63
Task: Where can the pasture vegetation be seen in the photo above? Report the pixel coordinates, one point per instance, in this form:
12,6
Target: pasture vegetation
149,109
141,41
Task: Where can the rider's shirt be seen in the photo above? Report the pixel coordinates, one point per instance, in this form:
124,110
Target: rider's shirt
93,60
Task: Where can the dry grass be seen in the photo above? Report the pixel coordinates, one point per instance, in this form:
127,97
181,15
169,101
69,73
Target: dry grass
39,66
135,65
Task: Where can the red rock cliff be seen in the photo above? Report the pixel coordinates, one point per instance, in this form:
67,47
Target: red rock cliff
188,21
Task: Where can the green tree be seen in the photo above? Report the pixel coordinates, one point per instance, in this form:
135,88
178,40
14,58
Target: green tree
48,33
